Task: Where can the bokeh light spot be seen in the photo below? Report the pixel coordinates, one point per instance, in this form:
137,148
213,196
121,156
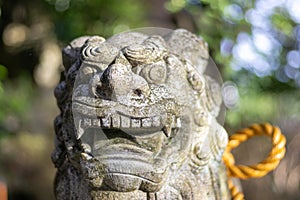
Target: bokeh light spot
233,12
290,71
230,94
47,72
226,46
293,7
15,34
293,58
262,42
62,5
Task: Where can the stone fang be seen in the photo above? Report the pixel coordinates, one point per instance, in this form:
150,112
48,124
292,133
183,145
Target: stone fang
167,131
80,130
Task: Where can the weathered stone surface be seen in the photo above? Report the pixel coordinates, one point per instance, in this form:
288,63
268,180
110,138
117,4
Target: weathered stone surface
138,120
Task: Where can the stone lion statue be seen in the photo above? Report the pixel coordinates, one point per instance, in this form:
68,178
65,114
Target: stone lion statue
138,120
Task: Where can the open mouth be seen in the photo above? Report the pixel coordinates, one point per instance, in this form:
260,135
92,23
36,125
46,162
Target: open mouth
135,126
128,164
126,139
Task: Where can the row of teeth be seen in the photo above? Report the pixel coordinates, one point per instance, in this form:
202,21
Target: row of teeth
126,122
120,121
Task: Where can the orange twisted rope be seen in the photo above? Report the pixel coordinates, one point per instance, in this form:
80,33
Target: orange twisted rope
235,193
260,169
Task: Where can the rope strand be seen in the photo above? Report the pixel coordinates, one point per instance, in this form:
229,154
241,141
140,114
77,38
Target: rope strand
260,169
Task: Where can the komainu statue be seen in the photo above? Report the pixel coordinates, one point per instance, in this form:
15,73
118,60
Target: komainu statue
138,120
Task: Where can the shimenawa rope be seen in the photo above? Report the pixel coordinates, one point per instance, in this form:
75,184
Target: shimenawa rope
257,170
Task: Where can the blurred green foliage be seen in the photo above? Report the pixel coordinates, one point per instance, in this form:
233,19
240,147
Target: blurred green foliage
74,18
3,72
283,22
15,100
231,27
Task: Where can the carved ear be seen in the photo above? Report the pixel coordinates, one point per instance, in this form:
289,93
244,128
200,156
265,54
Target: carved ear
98,53
212,95
190,47
71,53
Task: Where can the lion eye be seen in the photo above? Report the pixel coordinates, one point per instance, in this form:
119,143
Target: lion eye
157,73
154,73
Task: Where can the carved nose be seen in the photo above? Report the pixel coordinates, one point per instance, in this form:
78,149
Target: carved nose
118,82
